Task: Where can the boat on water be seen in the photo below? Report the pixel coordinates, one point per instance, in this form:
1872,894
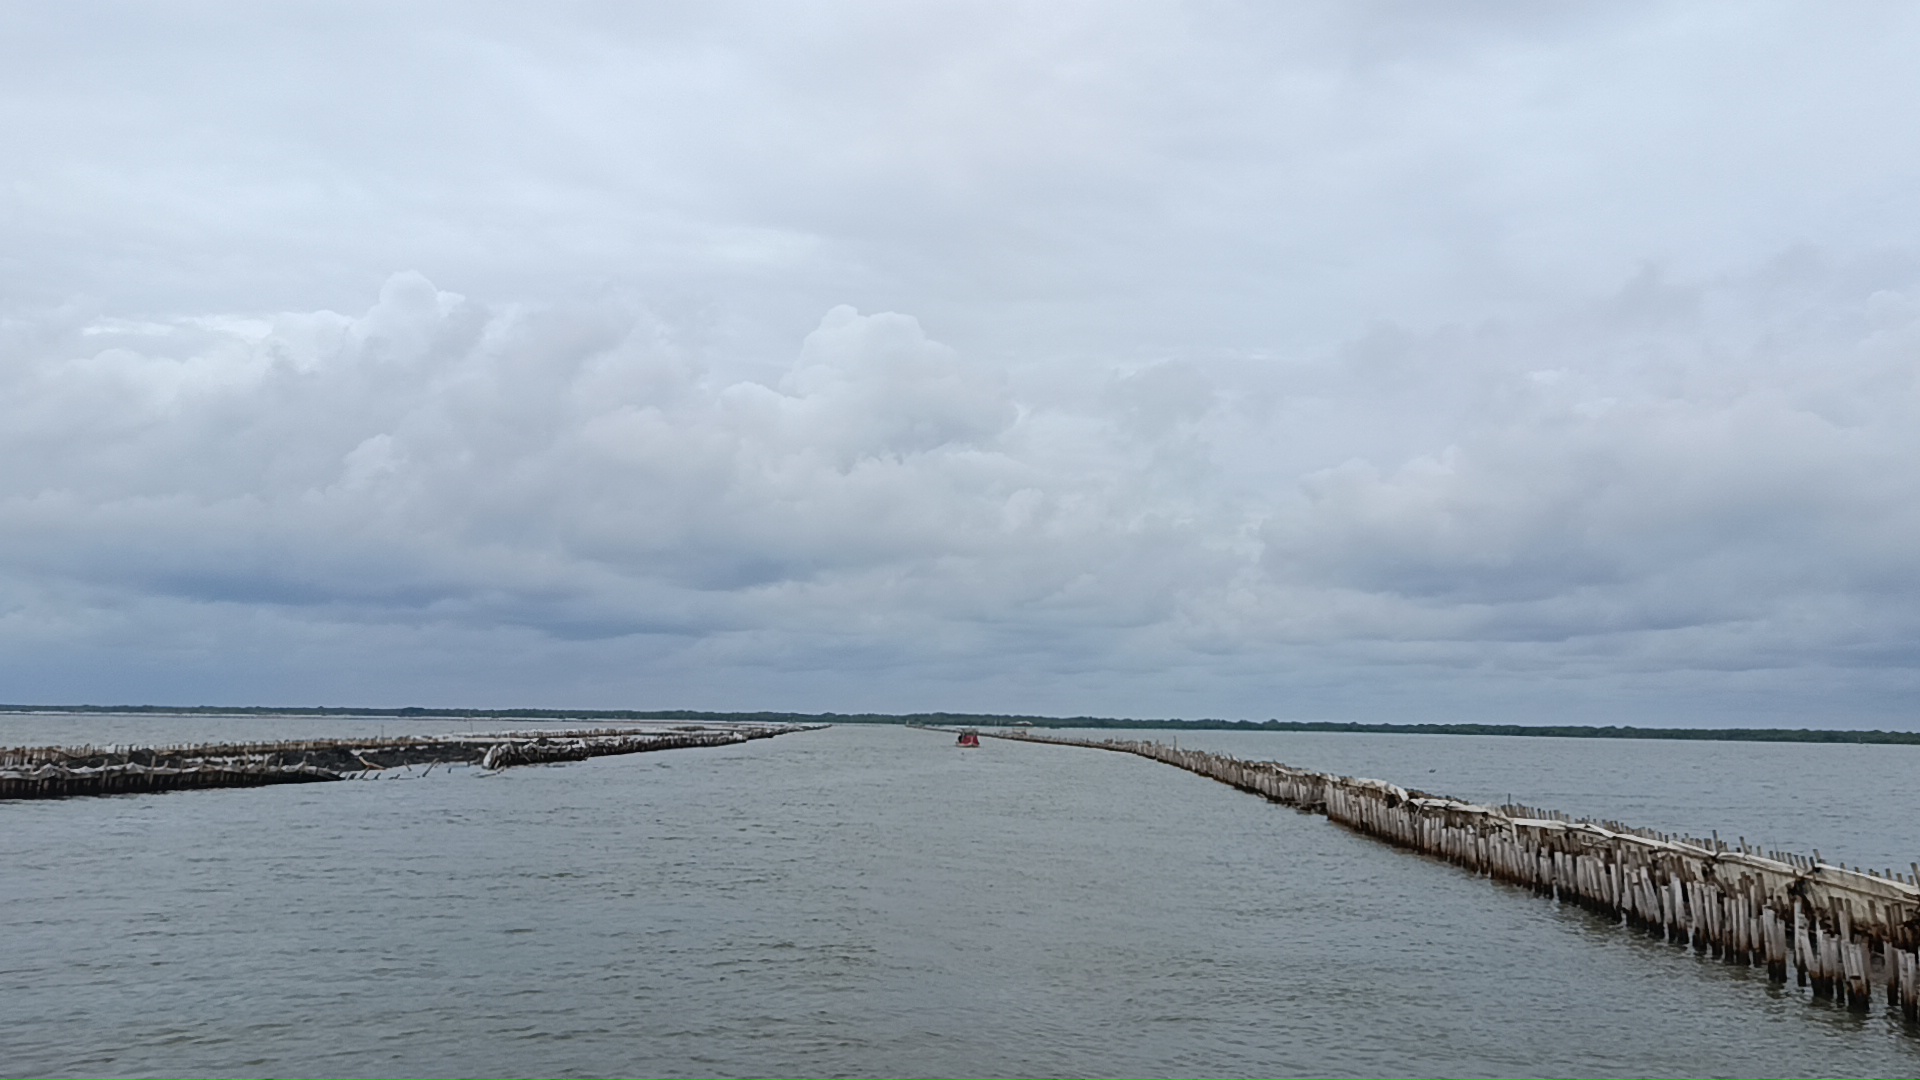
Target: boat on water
969,738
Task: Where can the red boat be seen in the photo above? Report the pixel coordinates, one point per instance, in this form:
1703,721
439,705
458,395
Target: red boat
969,738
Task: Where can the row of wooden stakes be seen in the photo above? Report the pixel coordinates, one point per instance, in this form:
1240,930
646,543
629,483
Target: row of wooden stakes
43,772
1845,933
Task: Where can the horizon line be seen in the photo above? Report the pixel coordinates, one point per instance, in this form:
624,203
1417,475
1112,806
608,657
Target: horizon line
1571,731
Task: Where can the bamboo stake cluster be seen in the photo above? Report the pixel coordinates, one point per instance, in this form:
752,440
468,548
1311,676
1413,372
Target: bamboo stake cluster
1847,934
59,771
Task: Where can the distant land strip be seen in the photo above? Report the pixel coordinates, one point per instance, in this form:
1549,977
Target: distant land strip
1550,731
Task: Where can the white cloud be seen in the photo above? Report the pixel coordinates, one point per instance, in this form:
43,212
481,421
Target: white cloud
1330,359
1689,493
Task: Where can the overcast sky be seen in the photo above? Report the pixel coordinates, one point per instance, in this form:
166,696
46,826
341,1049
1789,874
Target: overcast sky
1376,361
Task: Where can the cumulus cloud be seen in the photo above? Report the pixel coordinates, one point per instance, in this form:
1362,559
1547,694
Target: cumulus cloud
1358,360
1676,479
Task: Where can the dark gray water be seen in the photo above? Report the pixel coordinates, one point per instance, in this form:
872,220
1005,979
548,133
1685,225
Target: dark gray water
872,901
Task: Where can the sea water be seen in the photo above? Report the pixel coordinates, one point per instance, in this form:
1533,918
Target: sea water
874,901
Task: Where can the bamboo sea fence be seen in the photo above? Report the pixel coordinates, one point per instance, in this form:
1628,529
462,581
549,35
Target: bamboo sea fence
1848,935
62,771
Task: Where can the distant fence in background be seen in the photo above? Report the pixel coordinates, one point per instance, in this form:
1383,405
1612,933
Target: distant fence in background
44,772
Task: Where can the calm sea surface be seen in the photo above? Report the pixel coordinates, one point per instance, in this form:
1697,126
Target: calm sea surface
872,901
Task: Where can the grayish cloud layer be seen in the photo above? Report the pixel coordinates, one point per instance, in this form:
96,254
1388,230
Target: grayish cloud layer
1390,361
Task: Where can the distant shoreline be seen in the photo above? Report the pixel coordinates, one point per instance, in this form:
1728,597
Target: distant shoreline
1554,731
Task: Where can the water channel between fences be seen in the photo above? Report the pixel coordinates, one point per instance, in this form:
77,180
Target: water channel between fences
873,901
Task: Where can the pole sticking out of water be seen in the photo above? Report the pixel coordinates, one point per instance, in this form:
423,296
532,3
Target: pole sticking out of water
1846,934
48,772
